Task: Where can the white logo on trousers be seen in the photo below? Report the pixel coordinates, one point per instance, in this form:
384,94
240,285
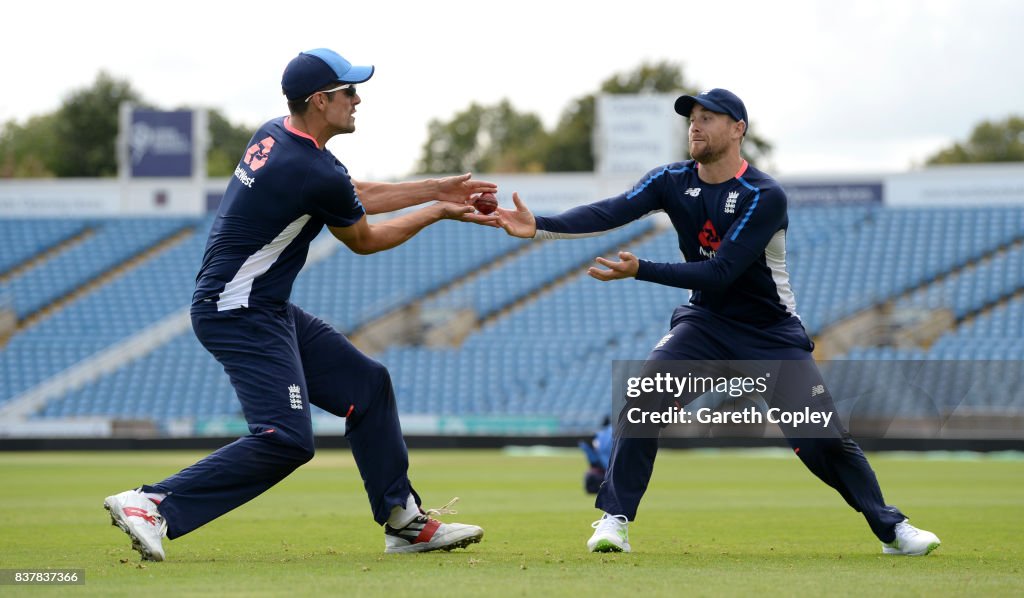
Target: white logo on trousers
295,396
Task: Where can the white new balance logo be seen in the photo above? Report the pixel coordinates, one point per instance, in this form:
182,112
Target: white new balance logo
730,202
692,191
817,390
295,396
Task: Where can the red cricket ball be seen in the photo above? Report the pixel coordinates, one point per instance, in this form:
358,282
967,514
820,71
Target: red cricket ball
485,203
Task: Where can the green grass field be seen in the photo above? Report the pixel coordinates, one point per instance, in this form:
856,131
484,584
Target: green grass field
727,523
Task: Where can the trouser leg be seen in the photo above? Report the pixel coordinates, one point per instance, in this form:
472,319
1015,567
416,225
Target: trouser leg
830,453
260,355
345,382
635,446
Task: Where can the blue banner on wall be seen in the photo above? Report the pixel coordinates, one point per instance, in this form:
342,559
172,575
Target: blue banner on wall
160,144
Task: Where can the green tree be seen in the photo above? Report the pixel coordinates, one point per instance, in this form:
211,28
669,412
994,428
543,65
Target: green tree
464,143
484,139
571,148
24,149
999,141
79,138
86,128
227,144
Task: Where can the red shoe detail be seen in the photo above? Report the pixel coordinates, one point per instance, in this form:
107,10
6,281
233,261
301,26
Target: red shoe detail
137,512
428,531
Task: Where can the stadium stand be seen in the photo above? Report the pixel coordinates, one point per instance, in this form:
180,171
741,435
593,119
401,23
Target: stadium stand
547,333
178,381
112,312
894,251
22,239
557,339
348,292
970,290
543,264
110,244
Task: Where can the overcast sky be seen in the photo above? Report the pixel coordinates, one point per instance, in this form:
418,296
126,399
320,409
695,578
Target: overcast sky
839,87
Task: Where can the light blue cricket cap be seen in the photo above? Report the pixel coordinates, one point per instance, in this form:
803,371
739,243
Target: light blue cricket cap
315,69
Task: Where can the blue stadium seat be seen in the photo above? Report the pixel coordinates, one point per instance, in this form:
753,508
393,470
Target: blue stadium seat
549,357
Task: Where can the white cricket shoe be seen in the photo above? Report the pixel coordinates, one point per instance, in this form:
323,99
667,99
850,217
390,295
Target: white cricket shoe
911,541
138,517
611,534
424,533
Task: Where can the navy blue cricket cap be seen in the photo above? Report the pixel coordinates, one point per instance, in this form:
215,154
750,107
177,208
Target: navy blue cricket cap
717,100
315,69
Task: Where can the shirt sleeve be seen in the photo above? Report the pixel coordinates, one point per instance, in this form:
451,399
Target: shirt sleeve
331,196
744,242
607,214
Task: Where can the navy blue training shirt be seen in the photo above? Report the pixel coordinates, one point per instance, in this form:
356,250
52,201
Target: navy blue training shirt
283,192
732,235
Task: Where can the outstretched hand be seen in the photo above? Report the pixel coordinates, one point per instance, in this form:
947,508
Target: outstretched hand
627,268
518,222
453,211
460,189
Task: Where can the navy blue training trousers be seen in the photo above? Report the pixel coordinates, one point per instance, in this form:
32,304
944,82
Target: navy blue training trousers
699,335
280,361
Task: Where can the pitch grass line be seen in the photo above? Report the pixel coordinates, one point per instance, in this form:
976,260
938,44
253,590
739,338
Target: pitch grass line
711,525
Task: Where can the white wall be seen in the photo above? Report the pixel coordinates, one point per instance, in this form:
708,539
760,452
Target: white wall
59,197
103,197
977,184
968,185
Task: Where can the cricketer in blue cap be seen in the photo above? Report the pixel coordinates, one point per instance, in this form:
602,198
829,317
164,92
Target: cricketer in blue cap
286,188
717,100
731,222
314,69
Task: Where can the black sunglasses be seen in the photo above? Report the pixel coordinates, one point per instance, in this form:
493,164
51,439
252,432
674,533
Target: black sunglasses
348,88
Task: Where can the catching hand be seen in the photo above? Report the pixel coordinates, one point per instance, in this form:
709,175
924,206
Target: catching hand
460,189
452,211
518,222
627,268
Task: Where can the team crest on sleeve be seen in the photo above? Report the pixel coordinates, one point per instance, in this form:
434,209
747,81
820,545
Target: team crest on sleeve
295,396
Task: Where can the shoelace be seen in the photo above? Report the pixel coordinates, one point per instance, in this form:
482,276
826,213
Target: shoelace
907,530
444,510
612,522
154,512
161,522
